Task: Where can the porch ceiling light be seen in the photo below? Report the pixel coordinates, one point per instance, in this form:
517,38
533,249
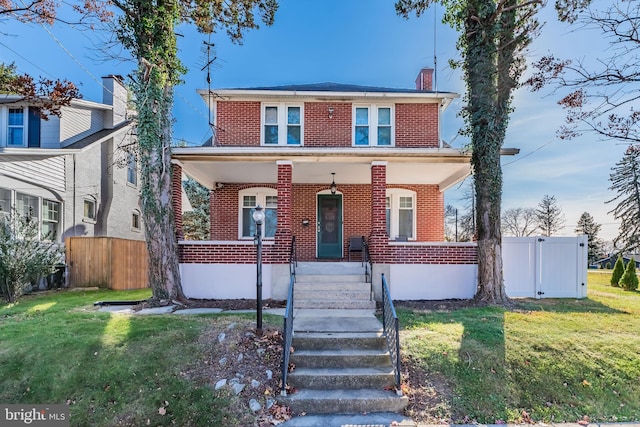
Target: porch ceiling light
333,186
258,214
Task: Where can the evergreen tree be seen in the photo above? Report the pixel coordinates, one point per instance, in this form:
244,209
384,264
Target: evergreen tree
549,215
618,271
587,225
195,223
629,280
625,181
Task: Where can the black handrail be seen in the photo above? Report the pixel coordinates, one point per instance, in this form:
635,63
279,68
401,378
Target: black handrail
287,333
366,259
293,258
391,328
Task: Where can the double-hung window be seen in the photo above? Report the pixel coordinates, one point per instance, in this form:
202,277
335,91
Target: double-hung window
401,214
5,203
267,198
50,219
27,206
282,124
16,133
373,125
132,169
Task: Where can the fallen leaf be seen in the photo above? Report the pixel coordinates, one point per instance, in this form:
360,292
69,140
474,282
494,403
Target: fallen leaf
162,411
586,383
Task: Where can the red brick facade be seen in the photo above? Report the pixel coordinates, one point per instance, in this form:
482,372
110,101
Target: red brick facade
416,125
176,199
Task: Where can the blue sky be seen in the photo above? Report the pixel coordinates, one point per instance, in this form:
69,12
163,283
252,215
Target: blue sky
359,42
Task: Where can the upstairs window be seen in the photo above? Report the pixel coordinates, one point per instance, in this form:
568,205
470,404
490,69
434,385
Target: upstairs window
249,199
282,124
132,169
16,134
373,125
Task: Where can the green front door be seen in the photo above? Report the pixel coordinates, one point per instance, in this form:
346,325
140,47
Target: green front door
329,226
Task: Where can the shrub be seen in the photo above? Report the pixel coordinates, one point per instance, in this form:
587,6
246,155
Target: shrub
629,280
608,266
23,257
618,271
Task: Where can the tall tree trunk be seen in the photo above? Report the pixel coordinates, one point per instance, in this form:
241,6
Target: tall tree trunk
154,114
487,126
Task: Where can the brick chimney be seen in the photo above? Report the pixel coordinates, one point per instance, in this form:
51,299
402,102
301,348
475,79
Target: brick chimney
424,81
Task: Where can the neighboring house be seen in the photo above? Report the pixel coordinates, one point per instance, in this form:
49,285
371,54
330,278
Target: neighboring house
611,261
285,147
71,172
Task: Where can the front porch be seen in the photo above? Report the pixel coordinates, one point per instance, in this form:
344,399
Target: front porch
393,198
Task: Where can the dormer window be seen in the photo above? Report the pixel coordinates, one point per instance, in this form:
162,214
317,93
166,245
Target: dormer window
282,124
373,125
15,135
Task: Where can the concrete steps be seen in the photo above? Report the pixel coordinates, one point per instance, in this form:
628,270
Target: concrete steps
342,366
332,285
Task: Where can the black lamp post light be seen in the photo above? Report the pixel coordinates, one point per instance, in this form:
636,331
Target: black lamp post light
258,217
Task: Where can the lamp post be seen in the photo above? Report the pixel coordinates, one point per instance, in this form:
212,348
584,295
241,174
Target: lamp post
258,217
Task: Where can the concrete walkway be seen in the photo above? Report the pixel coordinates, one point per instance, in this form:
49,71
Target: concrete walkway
173,309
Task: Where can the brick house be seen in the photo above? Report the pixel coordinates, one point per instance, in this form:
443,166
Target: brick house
283,147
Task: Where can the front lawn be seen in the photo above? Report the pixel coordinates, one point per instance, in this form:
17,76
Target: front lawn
548,360
113,369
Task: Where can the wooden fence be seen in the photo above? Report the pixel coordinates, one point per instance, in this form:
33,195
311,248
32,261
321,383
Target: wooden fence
107,262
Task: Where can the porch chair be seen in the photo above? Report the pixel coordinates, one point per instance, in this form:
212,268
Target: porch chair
355,245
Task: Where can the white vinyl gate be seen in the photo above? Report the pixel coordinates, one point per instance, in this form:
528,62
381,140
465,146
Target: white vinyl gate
545,267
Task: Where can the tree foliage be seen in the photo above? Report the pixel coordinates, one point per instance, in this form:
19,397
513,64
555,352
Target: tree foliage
23,256
195,223
46,94
618,271
549,215
602,94
493,37
625,181
519,222
629,280
587,225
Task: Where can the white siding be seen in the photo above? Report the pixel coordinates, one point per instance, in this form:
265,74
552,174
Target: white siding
46,172
79,122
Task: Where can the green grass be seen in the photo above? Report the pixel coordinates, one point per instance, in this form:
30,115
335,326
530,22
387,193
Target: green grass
110,369
557,360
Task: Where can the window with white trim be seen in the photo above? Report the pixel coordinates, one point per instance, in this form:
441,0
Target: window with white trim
89,209
50,220
249,199
373,125
135,220
16,128
27,206
401,214
5,203
132,169
282,124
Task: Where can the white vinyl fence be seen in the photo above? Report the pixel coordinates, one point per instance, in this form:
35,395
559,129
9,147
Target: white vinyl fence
545,267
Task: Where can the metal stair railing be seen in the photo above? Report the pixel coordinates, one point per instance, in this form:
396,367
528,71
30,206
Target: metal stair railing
391,328
287,330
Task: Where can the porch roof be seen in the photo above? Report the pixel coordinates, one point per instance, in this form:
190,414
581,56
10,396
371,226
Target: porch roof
444,167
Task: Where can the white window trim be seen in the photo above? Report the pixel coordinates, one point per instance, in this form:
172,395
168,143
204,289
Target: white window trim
139,227
282,123
261,194
58,222
135,170
394,195
4,125
87,219
373,124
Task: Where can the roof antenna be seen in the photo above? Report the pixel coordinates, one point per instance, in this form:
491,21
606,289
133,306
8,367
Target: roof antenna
435,56
208,46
